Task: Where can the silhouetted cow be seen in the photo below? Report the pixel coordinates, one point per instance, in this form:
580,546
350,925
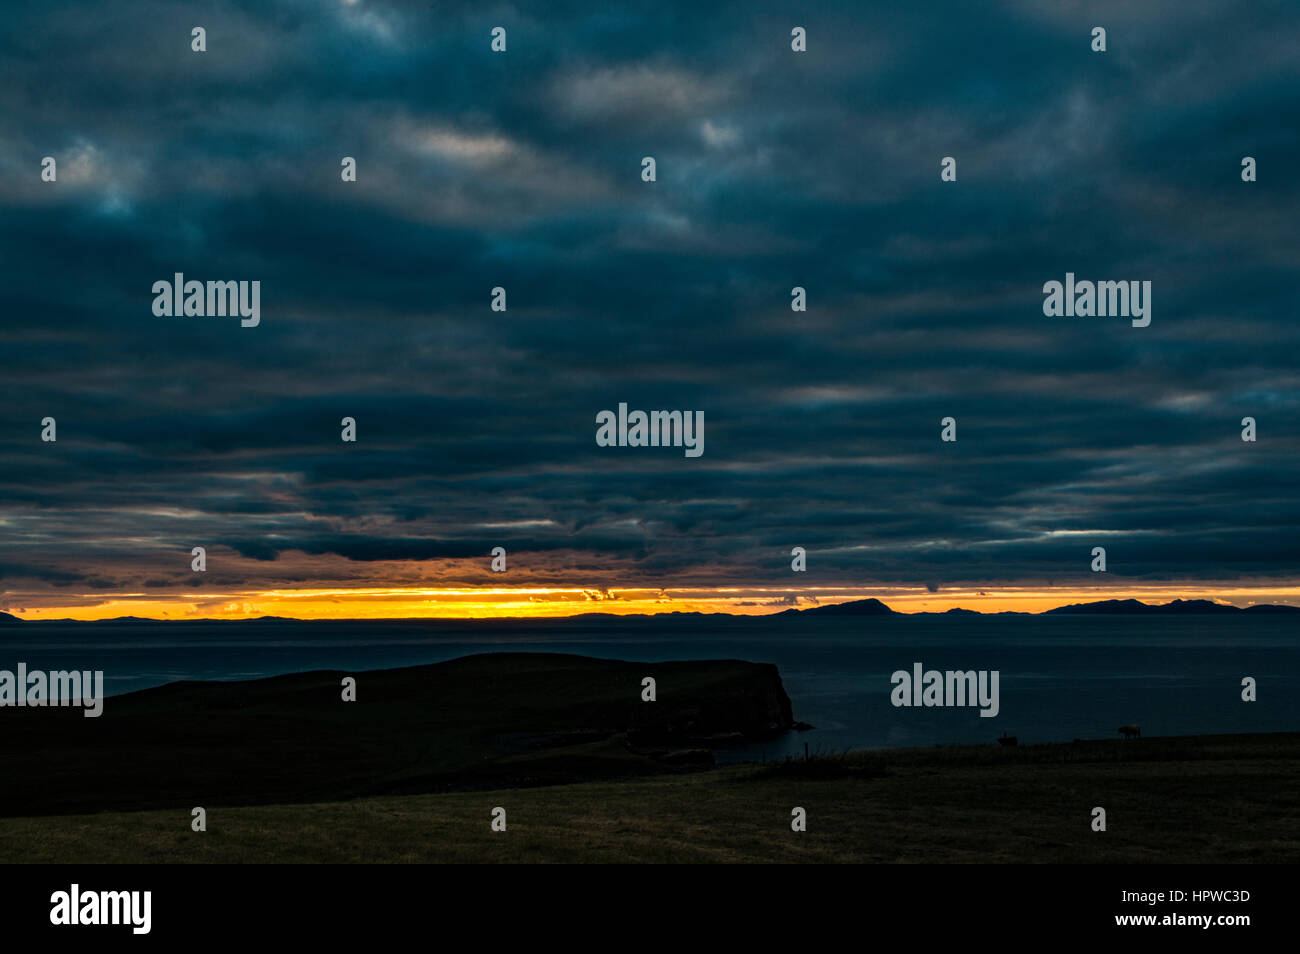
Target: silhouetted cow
1007,739
1128,731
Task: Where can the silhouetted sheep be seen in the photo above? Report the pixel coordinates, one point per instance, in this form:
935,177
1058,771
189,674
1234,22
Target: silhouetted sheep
1128,731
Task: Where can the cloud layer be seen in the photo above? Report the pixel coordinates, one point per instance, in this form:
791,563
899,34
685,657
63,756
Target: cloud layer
522,170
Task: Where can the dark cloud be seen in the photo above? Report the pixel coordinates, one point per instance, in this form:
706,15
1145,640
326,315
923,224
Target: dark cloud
522,170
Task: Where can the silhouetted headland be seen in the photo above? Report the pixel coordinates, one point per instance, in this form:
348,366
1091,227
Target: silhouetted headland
485,721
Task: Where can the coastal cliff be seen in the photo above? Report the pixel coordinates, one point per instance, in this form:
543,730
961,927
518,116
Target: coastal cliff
491,720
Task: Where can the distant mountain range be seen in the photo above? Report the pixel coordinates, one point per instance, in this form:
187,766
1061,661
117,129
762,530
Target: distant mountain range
867,607
1177,607
873,607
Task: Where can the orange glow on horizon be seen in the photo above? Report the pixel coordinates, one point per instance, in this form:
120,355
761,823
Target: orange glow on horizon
552,602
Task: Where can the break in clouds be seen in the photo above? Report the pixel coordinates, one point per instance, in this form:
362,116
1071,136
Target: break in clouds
482,178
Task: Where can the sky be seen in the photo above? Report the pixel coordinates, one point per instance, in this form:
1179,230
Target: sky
522,169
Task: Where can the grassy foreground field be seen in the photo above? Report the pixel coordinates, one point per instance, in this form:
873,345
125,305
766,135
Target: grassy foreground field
1194,800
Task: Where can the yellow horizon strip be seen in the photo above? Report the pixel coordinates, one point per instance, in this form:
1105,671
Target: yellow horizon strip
524,602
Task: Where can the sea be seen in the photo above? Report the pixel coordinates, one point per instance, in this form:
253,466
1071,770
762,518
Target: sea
1061,677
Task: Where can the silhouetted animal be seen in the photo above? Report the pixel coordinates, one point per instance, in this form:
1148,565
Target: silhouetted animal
1007,739
1128,731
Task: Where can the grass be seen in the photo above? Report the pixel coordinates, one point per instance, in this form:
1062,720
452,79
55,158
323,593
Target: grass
1181,800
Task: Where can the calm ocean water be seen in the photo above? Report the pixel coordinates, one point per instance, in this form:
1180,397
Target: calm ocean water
1061,677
